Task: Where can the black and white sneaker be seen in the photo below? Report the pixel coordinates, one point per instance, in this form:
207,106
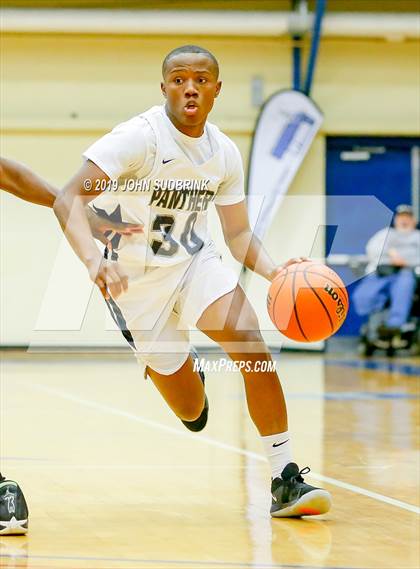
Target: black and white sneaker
13,508
292,498
201,421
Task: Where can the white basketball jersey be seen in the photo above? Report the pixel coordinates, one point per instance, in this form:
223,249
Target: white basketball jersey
172,201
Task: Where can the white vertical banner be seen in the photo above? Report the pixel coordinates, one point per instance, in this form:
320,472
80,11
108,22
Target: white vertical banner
285,129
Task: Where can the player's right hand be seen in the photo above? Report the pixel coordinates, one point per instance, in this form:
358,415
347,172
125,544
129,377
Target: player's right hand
108,276
99,225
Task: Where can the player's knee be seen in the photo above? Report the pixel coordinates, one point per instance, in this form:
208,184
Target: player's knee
243,336
246,327
189,410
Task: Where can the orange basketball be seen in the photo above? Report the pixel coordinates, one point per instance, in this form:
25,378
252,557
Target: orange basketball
307,302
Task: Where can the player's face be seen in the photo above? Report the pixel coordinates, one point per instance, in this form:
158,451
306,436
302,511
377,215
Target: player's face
190,85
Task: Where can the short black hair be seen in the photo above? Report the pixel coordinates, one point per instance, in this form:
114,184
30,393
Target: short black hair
189,49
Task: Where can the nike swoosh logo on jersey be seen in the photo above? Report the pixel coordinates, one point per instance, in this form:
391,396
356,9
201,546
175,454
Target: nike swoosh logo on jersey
166,161
279,444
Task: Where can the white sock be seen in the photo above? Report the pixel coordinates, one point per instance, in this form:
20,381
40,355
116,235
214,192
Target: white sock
278,450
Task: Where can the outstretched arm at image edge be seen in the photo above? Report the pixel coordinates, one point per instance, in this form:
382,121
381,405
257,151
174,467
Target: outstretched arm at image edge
19,180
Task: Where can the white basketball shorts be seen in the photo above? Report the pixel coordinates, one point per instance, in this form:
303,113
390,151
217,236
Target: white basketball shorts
162,303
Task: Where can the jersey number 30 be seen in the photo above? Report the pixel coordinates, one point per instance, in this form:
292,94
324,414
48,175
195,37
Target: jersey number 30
168,246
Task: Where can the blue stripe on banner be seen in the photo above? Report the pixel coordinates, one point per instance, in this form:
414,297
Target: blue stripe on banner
289,132
406,369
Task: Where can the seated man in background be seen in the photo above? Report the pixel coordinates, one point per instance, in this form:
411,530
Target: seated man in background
392,254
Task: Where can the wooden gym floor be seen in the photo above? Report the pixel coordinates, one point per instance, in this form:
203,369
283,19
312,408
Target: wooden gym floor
114,480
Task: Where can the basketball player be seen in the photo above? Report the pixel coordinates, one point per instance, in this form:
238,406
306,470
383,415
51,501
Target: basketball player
20,181
169,165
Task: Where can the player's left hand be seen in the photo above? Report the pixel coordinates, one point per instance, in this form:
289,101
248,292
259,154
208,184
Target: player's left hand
108,276
291,261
